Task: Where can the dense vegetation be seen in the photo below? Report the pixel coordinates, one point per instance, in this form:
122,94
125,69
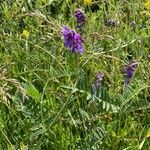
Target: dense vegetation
54,98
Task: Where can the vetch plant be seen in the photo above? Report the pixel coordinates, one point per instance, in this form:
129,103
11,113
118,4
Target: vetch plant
48,99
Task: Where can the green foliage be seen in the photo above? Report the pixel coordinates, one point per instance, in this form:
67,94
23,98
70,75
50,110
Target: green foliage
32,92
46,96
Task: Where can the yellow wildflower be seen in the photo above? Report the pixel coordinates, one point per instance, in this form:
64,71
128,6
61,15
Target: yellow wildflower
25,33
147,5
88,2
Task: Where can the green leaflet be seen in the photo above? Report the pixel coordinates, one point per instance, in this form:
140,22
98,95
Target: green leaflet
33,92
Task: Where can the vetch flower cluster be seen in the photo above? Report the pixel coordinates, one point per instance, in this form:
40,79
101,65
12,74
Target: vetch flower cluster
97,82
80,17
98,78
72,40
129,71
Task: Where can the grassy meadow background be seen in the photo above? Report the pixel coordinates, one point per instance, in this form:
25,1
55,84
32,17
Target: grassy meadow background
46,98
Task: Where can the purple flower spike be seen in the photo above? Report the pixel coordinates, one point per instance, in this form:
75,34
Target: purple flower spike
97,82
80,17
72,40
129,71
99,78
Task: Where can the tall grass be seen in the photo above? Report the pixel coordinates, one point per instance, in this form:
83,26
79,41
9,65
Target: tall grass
46,97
